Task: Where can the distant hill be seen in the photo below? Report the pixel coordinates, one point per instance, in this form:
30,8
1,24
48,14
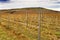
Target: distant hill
41,10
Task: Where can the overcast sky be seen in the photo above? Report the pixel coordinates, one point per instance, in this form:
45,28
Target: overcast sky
49,4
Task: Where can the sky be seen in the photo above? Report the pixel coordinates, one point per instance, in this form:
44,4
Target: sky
49,4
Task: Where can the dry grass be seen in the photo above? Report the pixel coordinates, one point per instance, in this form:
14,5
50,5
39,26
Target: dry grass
23,24
18,26
50,26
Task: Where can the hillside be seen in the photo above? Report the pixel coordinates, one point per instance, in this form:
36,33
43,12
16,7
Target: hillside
23,24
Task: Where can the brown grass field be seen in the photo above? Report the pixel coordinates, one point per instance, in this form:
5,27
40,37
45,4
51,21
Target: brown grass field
23,24
19,25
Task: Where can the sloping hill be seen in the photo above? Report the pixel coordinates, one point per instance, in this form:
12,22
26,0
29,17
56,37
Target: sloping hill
23,24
